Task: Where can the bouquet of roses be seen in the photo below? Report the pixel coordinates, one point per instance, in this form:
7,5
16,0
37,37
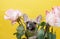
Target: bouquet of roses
29,27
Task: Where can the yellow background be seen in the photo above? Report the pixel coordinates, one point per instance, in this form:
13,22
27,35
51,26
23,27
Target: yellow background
32,8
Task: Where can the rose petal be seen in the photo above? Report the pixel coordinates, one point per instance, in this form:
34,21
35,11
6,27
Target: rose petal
12,15
53,17
19,13
6,17
13,22
9,12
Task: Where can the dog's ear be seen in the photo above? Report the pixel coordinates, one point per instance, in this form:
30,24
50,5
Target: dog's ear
25,17
38,19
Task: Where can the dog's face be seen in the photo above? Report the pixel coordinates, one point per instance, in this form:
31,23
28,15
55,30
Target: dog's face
31,24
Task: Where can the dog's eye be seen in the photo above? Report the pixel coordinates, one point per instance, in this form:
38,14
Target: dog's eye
26,22
34,22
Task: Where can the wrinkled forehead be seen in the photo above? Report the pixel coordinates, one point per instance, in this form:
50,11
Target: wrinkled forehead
31,22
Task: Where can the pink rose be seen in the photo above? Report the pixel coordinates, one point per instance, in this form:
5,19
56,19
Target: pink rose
53,17
12,15
50,18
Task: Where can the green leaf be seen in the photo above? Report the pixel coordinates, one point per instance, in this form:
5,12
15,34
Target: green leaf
40,34
20,28
52,36
20,31
42,24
